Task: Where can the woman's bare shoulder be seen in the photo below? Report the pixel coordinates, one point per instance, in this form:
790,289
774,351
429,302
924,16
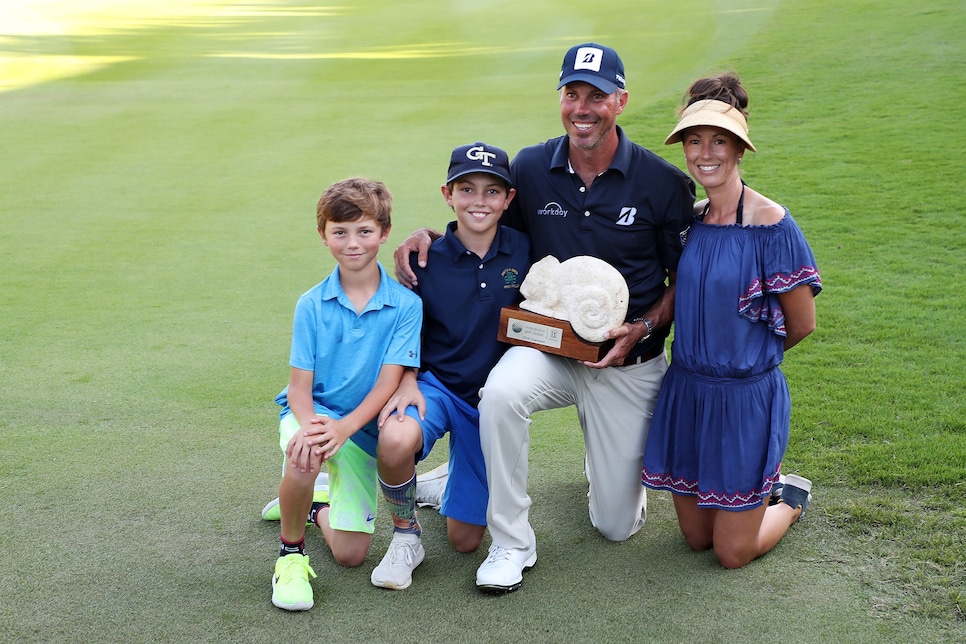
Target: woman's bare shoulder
761,211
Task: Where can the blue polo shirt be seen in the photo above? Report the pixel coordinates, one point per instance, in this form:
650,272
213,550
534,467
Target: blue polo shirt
462,297
632,216
345,350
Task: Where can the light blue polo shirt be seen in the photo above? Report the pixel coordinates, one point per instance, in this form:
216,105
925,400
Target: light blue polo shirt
345,350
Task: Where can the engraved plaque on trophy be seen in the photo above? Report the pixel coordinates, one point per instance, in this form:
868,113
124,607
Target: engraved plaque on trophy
547,334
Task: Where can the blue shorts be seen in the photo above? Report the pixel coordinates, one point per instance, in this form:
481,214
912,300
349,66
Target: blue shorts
466,493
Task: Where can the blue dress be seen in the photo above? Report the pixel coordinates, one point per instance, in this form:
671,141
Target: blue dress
720,427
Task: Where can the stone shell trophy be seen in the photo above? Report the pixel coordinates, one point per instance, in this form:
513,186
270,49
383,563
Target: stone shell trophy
568,307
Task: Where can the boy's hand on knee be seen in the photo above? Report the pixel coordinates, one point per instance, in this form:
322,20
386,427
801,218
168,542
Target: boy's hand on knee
300,453
406,395
327,435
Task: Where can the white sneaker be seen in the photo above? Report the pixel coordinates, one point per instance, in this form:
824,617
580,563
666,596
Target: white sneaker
430,487
502,572
395,571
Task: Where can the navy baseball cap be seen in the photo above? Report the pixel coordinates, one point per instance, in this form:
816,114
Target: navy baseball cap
595,64
479,157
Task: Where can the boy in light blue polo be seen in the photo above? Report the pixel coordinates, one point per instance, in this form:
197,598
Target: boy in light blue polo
353,336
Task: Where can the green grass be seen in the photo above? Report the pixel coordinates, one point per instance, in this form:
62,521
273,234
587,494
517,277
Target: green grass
161,165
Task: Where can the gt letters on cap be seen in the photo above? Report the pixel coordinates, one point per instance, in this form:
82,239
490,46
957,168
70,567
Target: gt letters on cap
479,157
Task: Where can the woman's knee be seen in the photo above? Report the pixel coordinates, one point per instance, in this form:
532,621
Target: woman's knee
697,542
733,555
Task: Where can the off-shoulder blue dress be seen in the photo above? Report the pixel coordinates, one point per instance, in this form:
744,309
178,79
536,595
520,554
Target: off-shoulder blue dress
720,427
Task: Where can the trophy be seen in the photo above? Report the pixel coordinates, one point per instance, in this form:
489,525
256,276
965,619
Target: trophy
568,307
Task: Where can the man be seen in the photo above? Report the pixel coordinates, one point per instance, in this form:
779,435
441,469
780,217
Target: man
589,192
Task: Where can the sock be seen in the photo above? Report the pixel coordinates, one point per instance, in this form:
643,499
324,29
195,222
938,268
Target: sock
314,512
402,504
291,548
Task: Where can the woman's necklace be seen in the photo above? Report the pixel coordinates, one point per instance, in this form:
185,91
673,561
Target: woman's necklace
738,213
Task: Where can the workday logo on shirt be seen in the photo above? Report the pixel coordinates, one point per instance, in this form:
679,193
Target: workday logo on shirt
552,209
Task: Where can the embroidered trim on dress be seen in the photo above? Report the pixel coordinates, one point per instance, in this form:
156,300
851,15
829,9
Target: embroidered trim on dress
752,305
708,499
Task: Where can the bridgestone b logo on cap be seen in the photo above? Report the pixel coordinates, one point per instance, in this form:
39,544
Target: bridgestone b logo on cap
588,58
479,153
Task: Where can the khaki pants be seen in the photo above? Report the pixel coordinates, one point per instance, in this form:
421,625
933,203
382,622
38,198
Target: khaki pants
614,406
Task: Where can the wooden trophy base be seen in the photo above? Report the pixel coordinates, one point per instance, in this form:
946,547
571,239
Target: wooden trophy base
547,334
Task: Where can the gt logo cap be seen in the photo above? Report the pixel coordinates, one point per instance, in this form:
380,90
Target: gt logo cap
479,157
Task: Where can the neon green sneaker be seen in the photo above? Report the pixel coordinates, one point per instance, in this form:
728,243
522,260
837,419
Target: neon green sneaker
271,512
291,589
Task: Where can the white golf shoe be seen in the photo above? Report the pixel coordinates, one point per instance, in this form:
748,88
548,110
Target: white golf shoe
502,572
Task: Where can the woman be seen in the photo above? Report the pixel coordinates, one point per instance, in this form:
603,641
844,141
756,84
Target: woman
746,283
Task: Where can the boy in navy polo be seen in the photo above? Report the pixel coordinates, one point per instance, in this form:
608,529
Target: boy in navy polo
353,336
477,267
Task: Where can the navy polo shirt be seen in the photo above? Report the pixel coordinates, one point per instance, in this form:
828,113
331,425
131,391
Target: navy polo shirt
462,297
632,216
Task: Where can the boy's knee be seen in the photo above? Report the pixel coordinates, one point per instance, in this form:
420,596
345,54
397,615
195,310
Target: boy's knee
349,559
399,436
466,538
467,546
300,478
351,552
